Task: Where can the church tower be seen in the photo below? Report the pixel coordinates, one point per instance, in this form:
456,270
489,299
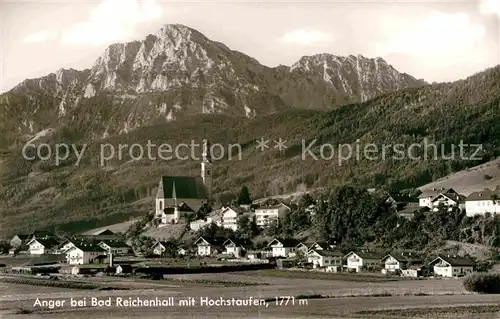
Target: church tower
206,168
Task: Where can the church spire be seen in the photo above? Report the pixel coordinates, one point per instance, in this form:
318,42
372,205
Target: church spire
206,168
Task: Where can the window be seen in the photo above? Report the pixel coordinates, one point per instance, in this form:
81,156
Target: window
161,205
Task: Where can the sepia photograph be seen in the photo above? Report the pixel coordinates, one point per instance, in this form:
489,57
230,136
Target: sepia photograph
250,159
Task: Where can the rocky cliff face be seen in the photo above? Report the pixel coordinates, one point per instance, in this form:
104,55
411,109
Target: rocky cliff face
178,71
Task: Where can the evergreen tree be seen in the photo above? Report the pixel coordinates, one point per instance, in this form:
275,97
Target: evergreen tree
244,197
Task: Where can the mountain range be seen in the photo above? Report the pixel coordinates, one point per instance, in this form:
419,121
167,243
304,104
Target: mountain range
179,71
177,86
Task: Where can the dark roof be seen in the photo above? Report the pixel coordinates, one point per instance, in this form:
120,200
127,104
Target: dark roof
114,243
454,196
287,242
183,187
274,206
238,242
22,237
366,255
79,241
484,195
398,198
183,207
212,241
104,231
321,244
237,209
48,242
435,191
328,253
454,260
91,248
404,257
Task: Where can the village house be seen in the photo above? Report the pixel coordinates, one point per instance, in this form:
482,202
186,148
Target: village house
265,215
182,251
449,200
480,203
426,197
233,248
230,216
192,191
115,247
100,234
160,247
208,248
71,242
325,258
42,246
397,262
85,254
283,247
451,266
357,261
302,248
318,245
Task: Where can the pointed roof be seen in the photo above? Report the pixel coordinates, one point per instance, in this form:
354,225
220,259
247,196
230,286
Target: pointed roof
183,187
454,260
326,253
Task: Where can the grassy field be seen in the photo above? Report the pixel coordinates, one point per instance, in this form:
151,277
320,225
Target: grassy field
323,276
473,312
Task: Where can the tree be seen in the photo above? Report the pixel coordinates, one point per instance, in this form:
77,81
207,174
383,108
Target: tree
203,212
244,197
306,201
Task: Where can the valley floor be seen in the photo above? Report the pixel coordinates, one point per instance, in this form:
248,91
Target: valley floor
405,299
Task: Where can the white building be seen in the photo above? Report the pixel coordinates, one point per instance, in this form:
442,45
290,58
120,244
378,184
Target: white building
325,258
358,261
401,261
42,246
233,248
283,247
115,247
426,197
192,191
451,266
480,203
85,254
160,247
448,200
265,215
208,248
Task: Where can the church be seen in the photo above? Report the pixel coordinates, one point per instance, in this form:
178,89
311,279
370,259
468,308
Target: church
178,195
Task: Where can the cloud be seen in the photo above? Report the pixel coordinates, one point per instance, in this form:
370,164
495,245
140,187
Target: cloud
39,37
306,36
436,34
490,7
113,21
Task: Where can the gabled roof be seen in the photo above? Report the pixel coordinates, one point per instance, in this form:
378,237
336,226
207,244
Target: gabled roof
457,198
46,242
87,248
237,210
212,242
183,207
484,195
403,257
453,260
104,231
435,191
286,242
364,255
22,237
321,244
163,243
241,243
114,243
183,187
280,205
326,253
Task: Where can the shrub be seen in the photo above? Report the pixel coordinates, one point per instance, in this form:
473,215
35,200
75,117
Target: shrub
483,282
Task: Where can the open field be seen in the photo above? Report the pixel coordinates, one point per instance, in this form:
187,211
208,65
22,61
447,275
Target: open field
324,276
471,180
346,299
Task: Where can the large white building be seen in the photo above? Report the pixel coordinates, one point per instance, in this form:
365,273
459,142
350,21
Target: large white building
42,246
480,203
441,197
85,254
451,266
356,261
266,215
192,191
325,258
283,247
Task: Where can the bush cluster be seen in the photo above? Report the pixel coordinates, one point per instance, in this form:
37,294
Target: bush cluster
483,283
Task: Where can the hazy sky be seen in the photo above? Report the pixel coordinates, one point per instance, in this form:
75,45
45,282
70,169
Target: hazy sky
434,40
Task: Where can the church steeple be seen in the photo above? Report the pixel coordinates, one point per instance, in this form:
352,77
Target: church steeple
206,167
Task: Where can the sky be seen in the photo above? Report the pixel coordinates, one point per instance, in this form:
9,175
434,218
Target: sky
438,41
